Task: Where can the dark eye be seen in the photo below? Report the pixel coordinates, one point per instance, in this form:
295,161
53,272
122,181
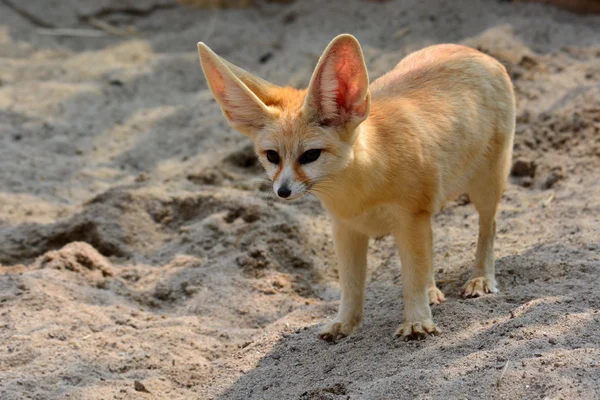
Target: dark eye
272,156
310,156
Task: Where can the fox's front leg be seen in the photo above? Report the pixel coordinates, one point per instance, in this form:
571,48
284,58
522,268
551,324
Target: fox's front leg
351,249
414,240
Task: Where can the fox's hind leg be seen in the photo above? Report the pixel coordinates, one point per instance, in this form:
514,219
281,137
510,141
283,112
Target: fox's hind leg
484,280
485,192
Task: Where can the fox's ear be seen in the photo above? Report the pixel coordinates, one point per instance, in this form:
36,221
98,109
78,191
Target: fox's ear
338,93
241,106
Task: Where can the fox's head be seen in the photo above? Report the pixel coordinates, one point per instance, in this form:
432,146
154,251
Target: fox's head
301,137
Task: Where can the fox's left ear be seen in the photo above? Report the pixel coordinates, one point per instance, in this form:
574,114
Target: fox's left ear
338,93
238,93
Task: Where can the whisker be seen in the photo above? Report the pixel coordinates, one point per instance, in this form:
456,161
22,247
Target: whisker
323,193
259,181
261,184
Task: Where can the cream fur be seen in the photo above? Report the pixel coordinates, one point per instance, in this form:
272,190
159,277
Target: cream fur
441,123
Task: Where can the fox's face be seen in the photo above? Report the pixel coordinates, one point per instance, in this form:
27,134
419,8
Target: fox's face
303,138
298,154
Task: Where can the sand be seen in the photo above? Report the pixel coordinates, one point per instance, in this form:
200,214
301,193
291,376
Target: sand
142,259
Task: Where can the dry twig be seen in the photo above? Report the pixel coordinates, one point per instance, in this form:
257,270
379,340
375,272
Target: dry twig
72,32
502,374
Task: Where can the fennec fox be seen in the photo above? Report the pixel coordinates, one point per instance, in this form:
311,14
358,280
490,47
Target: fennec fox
382,158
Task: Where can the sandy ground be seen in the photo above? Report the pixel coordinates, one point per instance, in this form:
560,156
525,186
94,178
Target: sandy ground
135,244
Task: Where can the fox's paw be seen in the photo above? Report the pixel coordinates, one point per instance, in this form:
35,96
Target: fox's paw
436,296
417,330
336,329
478,287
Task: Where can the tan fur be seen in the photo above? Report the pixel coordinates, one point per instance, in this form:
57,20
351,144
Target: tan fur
441,123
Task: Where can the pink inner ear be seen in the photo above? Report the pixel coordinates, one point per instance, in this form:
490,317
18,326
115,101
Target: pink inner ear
237,105
347,73
340,85
216,80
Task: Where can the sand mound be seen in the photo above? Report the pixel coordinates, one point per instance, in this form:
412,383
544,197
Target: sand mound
77,257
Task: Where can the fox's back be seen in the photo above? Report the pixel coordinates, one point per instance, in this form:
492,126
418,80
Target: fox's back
444,79
443,68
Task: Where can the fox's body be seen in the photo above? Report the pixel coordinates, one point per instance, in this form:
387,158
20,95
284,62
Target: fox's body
442,116
391,154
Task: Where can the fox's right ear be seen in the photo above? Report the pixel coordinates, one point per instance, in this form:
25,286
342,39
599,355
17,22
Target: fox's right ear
338,93
242,107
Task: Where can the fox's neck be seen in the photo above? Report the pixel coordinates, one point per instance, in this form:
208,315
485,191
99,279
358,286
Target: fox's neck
350,190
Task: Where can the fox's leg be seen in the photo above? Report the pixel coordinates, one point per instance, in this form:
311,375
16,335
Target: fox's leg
351,249
435,295
484,281
485,192
414,241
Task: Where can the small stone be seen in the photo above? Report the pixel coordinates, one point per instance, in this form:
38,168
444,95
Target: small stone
523,168
463,200
163,291
555,175
143,177
139,387
265,57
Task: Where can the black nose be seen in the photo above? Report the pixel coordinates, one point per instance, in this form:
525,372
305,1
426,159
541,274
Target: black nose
284,192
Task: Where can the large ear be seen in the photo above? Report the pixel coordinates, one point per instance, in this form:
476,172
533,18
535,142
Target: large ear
241,106
262,89
338,93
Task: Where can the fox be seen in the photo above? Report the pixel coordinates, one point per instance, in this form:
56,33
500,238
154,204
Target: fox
383,158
